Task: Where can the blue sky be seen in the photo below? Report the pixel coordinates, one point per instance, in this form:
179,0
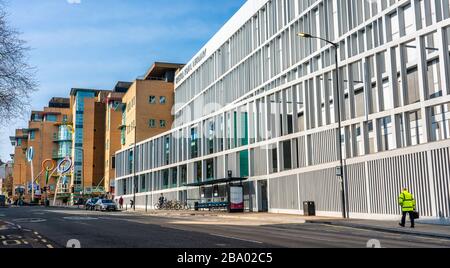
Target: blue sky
95,43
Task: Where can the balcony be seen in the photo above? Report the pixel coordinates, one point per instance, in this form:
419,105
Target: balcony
57,138
57,155
94,190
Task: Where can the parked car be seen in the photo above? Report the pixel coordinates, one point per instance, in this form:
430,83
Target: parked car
90,204
106,205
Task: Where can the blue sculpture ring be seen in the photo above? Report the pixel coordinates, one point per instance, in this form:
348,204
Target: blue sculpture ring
64,165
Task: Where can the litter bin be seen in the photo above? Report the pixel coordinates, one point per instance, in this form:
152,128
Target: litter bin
309,208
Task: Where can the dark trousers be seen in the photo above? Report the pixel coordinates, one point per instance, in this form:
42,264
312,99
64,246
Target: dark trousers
411,217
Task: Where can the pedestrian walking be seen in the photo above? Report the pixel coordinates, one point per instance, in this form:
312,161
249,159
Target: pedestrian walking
408,204
121,202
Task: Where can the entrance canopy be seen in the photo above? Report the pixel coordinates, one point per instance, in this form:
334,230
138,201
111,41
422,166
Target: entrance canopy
214,182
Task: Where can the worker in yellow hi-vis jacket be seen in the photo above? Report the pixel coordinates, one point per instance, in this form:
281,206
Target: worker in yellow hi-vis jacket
408,203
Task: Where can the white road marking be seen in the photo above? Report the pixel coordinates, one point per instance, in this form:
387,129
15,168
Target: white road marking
49,246
178,229
80,218
30,220
236,238
11,242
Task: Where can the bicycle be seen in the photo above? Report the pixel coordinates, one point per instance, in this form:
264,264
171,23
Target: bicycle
172,205
186,206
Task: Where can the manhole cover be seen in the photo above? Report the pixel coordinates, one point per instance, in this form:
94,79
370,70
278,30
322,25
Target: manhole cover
80,218
30,220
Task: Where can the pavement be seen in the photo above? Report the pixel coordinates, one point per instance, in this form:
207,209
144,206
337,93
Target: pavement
259,218
60,227
422,229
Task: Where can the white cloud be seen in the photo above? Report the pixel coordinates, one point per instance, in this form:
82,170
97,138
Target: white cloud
72,2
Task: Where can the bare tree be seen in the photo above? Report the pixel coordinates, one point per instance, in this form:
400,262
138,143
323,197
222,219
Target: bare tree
17,80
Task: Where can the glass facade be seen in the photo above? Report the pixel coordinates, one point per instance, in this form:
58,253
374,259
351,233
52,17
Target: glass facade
78,139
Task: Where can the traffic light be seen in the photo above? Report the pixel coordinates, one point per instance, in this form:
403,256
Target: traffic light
72,190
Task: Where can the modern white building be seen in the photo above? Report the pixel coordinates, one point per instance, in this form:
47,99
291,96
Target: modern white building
259,101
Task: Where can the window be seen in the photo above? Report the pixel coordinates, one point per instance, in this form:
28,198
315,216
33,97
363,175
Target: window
194,143
36,118
210,169
162,100
183,175
143,185
51,118
198,171
113,162
162,123
386,134
434,79
152,123
440,122
32,135
123,136
152,100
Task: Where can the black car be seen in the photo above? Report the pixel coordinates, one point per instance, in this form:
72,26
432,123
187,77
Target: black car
2,201
90,204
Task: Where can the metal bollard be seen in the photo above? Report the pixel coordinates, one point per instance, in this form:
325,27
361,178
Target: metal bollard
146,203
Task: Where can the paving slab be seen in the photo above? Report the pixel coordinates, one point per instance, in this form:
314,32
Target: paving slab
425,230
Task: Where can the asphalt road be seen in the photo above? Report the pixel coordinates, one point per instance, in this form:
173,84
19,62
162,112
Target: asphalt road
53,228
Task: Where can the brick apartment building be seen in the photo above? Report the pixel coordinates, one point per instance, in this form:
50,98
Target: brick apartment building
49,137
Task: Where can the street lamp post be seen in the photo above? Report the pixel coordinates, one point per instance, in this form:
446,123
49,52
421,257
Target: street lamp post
134,167
341,174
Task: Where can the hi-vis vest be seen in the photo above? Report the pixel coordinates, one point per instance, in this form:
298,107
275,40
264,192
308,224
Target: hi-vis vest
407,202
